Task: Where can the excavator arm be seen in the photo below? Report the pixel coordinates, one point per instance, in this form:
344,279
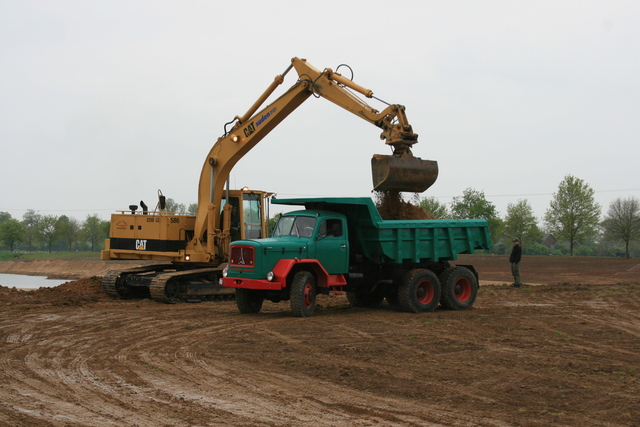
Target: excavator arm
399,172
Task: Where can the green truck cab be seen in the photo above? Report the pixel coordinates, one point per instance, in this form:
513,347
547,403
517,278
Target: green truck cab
340,245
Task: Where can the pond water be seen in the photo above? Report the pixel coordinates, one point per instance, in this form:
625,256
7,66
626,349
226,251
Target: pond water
28,282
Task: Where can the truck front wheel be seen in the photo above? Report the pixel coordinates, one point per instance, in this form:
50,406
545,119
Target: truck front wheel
419,291
459,288
303,294
249,300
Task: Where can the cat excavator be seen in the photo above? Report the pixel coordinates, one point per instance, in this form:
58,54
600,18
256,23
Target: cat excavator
191,250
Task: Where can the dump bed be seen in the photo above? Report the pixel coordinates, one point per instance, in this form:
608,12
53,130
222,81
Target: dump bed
398,241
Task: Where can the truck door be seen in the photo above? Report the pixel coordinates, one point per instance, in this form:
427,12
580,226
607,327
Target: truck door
332,246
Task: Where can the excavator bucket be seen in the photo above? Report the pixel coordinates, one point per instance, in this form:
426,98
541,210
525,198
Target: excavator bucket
403,173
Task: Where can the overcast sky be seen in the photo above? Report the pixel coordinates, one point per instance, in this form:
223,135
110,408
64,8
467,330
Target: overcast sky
102,103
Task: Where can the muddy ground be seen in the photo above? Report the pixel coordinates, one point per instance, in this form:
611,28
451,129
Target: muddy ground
562,351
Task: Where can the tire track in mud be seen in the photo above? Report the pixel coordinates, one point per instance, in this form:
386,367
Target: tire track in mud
257,393
61,379
165,374
147,364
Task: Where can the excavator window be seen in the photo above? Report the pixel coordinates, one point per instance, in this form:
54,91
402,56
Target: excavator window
234,228
252,216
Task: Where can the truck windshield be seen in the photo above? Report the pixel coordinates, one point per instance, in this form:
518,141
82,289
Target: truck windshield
299,226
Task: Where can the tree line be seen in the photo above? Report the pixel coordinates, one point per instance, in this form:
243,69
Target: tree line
573,218
49,233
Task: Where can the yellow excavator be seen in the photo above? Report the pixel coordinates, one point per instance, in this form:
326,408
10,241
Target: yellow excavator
192,249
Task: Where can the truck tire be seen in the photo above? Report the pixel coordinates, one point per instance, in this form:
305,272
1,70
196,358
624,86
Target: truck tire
248,301
419,291
459,288
364,299
303,294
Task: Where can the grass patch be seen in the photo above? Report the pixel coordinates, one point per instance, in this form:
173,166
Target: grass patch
426,323
625,370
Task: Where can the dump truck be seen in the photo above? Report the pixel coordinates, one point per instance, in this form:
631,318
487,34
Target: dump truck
191,249
340,245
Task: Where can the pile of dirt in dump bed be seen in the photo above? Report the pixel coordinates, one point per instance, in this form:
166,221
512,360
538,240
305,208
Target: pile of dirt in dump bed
391,206
75,293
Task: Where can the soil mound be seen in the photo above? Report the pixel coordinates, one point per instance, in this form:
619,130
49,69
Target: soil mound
391,206
75,293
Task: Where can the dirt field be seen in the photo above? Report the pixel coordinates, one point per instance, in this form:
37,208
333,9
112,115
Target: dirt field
564,351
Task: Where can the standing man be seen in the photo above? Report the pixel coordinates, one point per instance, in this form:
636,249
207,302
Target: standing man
514,259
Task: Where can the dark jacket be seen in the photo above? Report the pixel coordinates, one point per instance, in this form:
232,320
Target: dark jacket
516,254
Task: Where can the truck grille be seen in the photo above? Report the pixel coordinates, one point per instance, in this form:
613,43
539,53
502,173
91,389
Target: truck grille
242,255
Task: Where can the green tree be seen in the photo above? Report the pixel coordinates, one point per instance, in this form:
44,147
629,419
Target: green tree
560,250
573,214
473,204
4,217
69,230
193,208
47,230
12,231
622,222
432,205
536,249
106,227
93,231
520,222
173,206
31,219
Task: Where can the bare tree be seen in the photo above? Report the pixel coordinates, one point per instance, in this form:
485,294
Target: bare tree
622,221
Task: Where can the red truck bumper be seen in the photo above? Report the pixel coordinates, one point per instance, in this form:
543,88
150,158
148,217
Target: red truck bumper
234,282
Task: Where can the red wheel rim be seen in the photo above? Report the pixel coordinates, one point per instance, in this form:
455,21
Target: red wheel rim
425,292
462,289
308,291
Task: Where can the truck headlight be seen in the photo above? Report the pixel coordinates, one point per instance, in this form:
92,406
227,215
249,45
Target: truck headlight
270,276
225,272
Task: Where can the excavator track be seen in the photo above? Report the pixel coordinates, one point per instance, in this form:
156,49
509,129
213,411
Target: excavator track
113,286
165,283
190,286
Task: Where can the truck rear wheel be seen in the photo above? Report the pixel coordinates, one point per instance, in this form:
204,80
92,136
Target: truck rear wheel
459,288
419,291
303,294
249,301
